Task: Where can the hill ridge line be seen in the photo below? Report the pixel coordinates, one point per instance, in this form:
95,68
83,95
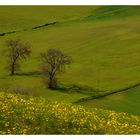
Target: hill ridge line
23,30
107,93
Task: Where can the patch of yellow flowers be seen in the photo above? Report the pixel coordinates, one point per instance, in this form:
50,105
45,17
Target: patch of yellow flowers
32,115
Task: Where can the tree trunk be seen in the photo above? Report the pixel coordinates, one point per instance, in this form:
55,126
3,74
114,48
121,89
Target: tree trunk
13,69
52,83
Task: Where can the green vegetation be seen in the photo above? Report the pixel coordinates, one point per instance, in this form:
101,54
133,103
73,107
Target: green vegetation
24,17
102,41
30,115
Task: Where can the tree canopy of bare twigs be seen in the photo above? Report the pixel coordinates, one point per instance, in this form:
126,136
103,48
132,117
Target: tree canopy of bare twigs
16,51
53,63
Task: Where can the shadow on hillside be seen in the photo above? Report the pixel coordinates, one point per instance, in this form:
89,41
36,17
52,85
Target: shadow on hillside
78,89
32,73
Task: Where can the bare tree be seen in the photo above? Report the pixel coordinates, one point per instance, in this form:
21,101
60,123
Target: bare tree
16,52
53,63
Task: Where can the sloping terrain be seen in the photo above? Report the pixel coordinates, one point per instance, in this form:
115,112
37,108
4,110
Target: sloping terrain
30,115
102,41
21,17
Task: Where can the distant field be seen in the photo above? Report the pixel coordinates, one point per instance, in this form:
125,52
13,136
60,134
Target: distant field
103,42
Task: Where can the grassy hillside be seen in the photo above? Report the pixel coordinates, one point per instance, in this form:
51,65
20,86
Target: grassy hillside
103,42
127,101
113,12
30,115
21,17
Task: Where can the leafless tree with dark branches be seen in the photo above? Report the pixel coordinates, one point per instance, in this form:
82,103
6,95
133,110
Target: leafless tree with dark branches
53,63
16,51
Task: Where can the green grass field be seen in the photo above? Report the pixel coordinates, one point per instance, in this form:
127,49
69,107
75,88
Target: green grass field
103,42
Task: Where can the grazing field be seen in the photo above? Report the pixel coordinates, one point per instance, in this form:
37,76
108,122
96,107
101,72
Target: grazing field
30,115
104,45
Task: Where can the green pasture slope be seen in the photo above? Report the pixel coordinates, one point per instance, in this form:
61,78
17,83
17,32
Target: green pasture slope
103,41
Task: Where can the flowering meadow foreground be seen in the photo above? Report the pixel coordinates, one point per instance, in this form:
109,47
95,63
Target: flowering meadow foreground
35,115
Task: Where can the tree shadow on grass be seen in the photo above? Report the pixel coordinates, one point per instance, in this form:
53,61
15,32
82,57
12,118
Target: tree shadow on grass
32,73
78,89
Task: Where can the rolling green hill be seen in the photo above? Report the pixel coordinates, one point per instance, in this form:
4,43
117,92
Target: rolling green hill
103,42
20,17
